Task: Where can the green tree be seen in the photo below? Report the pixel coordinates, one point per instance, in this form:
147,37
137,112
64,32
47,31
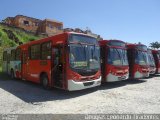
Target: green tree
155,45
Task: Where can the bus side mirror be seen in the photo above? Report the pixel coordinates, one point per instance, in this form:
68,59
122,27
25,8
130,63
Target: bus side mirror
101,61
48,57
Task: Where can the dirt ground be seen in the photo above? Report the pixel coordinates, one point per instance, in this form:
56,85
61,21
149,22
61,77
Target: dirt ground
130,96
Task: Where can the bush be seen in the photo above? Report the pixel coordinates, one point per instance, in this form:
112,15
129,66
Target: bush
0,34
32,39
0,68
0,42
1,54
11,44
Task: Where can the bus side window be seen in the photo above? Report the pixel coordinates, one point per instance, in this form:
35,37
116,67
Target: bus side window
35,52
18,54
46,51
5,56
8,58
13,55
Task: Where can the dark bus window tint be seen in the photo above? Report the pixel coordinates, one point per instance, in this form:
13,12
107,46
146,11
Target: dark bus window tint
18,54
13,55
83,39
117,43
35,52
8,58
46,50
5,56
141,47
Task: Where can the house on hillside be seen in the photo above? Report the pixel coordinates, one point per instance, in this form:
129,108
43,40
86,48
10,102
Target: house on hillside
50,27
46,26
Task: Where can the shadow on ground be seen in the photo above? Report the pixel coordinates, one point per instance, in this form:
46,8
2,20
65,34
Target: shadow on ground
111,85
157,75
31,92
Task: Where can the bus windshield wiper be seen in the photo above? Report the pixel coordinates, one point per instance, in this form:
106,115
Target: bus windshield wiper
124,56
119,55
144,58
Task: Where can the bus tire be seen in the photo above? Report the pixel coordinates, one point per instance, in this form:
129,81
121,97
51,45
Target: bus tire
45,81
12,74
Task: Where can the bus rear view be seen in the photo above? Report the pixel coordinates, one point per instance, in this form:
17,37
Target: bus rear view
114,64
138,62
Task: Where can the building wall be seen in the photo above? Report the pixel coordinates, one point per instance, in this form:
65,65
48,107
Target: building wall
50,27
46,26
9,20
26,23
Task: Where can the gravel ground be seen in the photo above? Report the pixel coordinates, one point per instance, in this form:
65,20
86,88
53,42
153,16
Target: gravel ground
130,96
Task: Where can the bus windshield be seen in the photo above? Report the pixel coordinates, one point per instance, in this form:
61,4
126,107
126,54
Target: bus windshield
84,56
158,55
141,58
151,59
117,57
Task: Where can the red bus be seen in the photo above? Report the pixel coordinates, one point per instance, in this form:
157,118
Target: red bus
69,61
151,62
138,62
114,66
156,55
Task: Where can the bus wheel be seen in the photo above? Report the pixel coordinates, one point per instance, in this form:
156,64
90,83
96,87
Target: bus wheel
12,74
44,80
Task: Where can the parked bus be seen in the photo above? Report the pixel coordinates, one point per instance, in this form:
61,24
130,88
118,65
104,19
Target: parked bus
114,66
69,61
151,62
156,55
7,60
138,62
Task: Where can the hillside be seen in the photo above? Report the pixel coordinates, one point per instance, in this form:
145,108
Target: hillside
10,36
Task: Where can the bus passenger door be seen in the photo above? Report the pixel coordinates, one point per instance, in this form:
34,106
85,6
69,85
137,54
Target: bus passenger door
24,65
58,66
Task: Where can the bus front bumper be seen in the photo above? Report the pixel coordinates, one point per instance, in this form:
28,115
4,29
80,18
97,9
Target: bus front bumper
152,71
140,75
73,85
158,71
113,78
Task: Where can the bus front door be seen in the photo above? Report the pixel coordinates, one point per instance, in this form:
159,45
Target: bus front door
58,66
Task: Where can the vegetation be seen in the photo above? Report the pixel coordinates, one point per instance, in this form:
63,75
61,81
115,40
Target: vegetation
10,36
155,45
0,69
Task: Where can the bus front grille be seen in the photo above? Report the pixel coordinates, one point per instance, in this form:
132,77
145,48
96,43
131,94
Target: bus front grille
84,73
88,83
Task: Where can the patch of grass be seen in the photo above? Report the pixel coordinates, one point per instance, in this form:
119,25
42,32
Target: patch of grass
6,42
24,37
20,34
